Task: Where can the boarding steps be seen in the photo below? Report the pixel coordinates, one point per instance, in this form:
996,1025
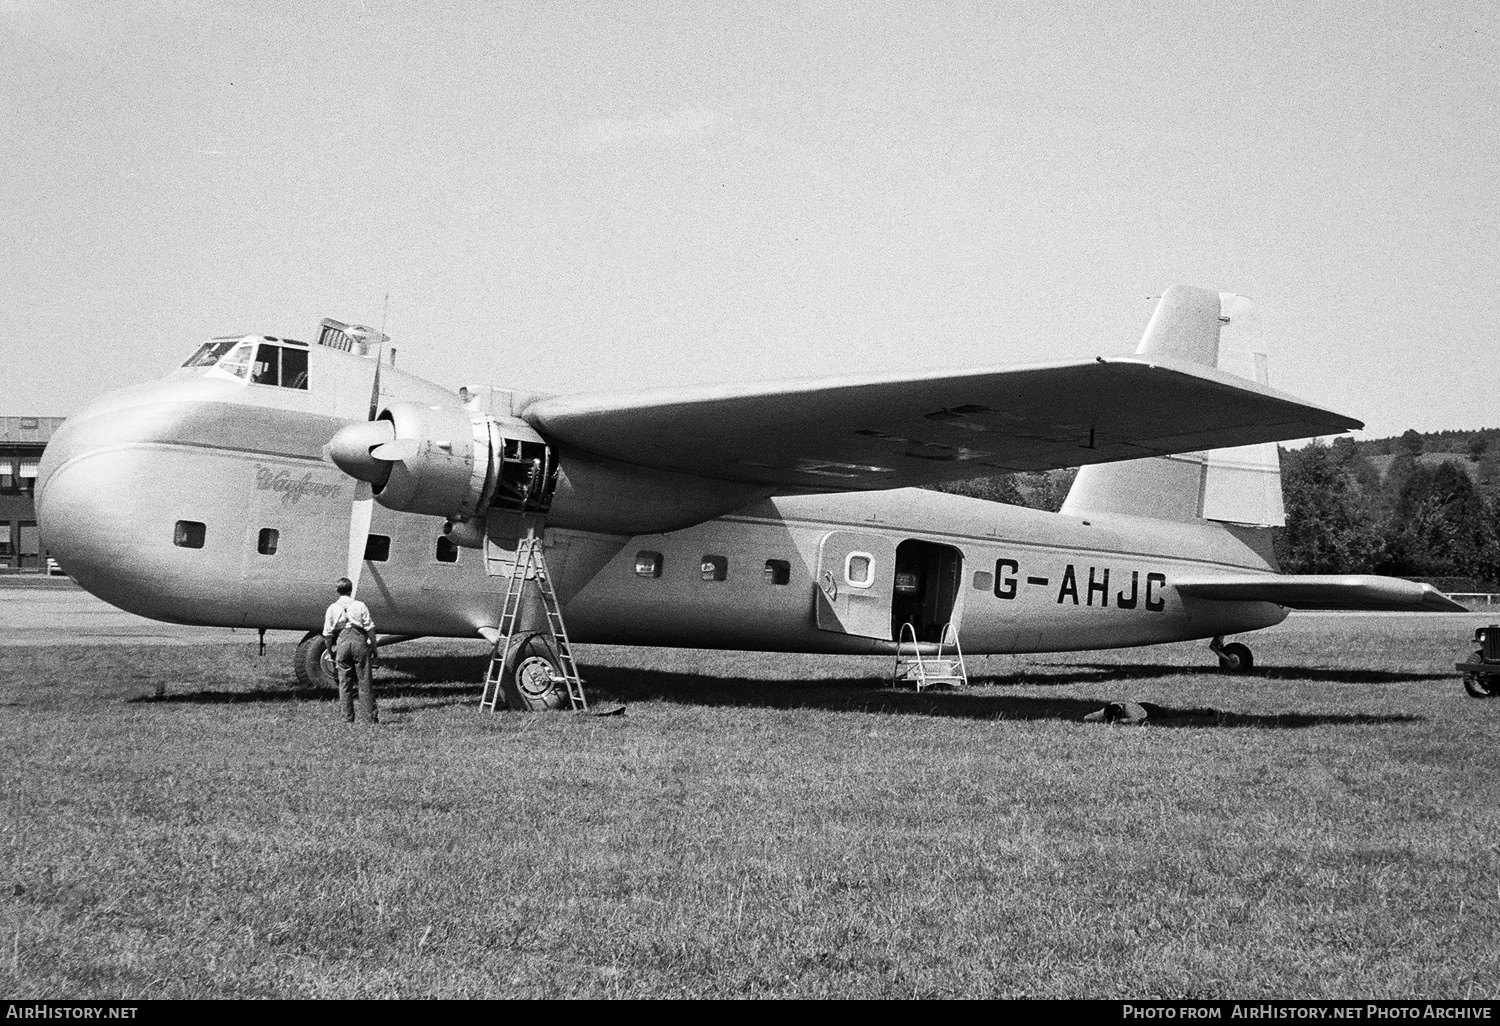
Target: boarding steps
529,564
946,666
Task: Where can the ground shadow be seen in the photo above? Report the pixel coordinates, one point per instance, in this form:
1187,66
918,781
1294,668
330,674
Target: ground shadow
1088,673
869,694
447,680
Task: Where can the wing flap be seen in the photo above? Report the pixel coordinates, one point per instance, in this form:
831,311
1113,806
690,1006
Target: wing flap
901,430
1349,591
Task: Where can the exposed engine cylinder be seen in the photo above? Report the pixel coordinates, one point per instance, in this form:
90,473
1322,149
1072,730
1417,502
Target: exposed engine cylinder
444,461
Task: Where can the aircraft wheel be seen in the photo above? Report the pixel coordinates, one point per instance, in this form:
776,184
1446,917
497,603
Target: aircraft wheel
1236,658
313,663
1480,686
533,679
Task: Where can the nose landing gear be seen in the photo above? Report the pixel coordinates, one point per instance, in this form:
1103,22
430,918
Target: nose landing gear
1233,657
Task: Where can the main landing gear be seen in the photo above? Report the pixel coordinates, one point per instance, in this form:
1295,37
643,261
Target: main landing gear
313,663
1233,657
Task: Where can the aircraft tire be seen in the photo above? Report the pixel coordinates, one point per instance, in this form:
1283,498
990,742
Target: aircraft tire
1480,686
1236,658
532,680
313,664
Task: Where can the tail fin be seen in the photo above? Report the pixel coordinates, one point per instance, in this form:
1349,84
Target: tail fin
1236,486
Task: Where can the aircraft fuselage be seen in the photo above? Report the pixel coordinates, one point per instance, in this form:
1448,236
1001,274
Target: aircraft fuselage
204,501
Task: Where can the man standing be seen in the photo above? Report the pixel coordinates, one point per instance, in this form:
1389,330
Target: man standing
350,633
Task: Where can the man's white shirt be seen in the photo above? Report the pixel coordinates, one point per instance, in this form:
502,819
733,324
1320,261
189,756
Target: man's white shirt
348,610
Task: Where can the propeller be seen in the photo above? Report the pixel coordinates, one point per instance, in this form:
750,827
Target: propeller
365,451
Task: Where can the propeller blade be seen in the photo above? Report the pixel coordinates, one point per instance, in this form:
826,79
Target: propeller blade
375,388
396,451
360,512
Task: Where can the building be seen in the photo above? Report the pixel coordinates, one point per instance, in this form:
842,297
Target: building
22,440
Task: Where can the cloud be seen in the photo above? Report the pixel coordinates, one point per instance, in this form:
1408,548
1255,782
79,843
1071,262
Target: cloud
618,132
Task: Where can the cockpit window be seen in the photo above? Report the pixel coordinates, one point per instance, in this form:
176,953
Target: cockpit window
280,365
209,352
293,368
237,360
267,361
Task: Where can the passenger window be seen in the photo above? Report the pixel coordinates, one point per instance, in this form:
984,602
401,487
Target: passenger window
859,569
377,548
269,538
714,568
778,571
647,564
983,580
189,534
447,552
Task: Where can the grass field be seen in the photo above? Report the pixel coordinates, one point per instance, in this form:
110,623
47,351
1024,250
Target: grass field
179,822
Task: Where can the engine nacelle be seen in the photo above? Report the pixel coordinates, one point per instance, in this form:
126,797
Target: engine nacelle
445,461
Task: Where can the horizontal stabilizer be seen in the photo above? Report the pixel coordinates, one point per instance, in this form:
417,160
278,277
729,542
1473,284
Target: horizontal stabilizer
1332,591
891,431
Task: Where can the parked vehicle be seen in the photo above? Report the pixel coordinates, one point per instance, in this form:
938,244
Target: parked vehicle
1482,669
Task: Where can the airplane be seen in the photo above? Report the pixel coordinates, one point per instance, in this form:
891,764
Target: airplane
780,516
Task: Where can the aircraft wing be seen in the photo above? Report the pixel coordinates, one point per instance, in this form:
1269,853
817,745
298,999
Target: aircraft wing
1295,591
888,431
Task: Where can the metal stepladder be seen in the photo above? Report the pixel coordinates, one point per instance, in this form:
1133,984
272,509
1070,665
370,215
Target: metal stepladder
944,667
531,564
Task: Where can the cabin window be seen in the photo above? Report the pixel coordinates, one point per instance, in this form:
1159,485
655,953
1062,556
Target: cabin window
983,580
778,571
714,568
189,534
647,563
377,548
269,539
908,583
447,552
859,569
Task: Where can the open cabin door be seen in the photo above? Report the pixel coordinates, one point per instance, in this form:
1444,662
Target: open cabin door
856,575
926,588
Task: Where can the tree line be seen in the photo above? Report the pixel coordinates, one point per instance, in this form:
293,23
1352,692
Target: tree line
1406,512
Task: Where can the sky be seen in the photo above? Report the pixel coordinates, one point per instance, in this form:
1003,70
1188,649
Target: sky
579,196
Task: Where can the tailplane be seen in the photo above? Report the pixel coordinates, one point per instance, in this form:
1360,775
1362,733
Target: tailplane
1240,486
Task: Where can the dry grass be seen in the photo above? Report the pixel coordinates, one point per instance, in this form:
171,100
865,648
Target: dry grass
757,825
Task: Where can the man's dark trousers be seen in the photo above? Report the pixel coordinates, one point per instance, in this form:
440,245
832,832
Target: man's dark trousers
353,658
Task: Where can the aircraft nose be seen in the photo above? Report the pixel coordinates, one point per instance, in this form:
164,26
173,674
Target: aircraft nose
74,485
85,483
68,499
